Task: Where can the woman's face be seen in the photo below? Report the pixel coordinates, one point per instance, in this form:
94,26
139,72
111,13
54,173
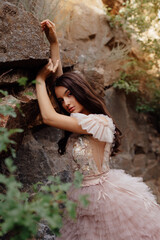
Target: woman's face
68,101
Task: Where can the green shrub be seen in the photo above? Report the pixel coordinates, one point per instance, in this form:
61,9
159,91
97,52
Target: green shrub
126,85
21,212
141,75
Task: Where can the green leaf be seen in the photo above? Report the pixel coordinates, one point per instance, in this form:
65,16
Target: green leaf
5,93
7,110
28,94
84,200
71,208
23,81
15,130
10,166
2,178
33,81
65,186
78,177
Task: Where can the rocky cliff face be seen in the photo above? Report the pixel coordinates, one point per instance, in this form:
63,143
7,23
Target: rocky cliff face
88,45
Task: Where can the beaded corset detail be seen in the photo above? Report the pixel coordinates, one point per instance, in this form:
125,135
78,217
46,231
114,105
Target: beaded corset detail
90,153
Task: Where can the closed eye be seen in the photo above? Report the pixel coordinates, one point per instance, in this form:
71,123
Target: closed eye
69,93
66,93
60,100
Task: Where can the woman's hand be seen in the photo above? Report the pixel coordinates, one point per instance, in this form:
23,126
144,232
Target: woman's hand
47,70
50,30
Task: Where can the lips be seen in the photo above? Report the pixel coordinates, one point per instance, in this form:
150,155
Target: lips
71,109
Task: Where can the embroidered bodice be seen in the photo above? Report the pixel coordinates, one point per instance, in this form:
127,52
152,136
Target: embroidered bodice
90,153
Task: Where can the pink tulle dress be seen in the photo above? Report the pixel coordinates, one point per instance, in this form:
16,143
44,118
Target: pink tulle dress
121,207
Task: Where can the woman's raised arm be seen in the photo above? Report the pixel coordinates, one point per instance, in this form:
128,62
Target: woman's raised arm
50,30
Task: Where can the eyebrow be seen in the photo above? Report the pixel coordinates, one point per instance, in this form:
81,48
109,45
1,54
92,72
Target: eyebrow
64,93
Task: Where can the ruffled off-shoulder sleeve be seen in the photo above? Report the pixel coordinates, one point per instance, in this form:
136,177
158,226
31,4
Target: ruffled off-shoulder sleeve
100,126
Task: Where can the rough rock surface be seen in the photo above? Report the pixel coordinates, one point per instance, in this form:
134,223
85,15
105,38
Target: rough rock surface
69,53
95,73
37,157
88,29
44,233
22,47
21,41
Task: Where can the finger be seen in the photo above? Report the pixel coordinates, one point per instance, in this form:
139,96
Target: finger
50,61
47,20
56,66
48,23
53,24
43,29
49,64
44,21
44,24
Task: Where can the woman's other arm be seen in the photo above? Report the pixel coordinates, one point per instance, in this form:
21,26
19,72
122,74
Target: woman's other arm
50,30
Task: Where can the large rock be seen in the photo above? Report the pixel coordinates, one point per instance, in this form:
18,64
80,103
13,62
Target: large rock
95,77
21,39
93,31
99,46
38,157
116,105
69,53
140,143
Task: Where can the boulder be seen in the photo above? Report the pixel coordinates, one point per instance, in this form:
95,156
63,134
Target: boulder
69,53
21,39
152,172
38,157
140,160
140,142
95,77
116,105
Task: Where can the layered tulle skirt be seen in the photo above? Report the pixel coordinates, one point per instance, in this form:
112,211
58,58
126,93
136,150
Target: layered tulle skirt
121,207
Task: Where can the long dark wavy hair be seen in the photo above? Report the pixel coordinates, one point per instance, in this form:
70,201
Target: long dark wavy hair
88,98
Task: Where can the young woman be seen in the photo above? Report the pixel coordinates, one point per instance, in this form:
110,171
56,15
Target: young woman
121,207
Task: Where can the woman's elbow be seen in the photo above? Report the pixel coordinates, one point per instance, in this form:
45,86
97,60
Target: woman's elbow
45,120
48,121
51,120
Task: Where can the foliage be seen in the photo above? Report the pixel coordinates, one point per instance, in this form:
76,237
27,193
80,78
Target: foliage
126,85
20,212
140,19
22,81
146,88
5,141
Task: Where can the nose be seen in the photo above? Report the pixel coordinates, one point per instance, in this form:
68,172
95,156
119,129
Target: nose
66,102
